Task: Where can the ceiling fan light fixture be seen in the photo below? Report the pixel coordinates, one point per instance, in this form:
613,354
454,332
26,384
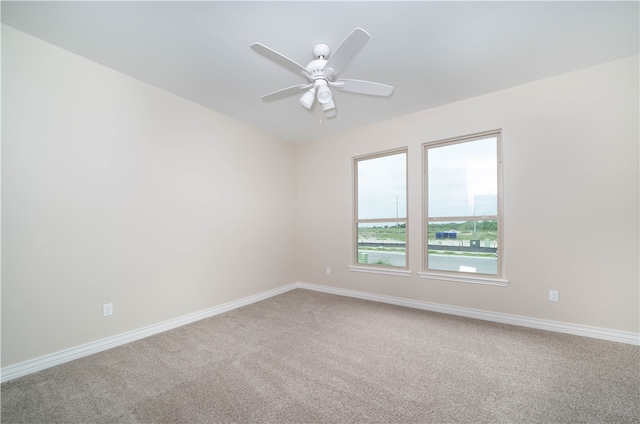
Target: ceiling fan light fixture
328,105
324,93
307,98
329,109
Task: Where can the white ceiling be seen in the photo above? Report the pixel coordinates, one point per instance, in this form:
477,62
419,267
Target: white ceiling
433,53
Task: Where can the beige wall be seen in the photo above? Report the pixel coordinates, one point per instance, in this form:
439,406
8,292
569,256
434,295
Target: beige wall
571,198
115,191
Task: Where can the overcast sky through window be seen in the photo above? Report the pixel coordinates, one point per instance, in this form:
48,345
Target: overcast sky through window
382,187
461,177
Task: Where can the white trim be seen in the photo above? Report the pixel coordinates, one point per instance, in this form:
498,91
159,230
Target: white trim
541,324
384,271
47,361
465,279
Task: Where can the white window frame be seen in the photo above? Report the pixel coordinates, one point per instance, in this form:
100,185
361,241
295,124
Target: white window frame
376,268
459,276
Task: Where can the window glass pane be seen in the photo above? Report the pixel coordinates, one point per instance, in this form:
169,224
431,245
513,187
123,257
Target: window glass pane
462,179
382,243
382,187
463,246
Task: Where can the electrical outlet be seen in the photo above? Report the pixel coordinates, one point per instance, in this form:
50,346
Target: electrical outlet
328,271
553,295
107,309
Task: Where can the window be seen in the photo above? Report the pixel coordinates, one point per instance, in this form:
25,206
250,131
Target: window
463,209
380,224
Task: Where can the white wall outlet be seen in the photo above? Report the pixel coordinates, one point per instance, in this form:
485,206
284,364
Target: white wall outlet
328,271
107,309
553,295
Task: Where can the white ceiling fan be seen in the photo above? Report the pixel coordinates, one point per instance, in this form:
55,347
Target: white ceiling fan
321,73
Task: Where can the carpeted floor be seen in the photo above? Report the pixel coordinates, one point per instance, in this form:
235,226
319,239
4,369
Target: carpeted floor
309,357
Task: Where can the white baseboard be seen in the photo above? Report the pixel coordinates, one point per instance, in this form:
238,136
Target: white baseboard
27,367
541,324
67,355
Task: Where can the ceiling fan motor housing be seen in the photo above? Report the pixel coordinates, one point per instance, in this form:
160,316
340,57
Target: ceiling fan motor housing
315,68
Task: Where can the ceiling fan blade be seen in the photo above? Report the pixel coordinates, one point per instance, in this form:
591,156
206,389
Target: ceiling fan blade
346,51
279,58
285,92
363,87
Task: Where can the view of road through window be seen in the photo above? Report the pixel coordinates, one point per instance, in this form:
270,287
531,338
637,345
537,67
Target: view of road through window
468,246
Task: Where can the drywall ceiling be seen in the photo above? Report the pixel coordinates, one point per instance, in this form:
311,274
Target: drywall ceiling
433,53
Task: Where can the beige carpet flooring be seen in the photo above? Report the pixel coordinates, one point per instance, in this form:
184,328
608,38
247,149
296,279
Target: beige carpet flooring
309,357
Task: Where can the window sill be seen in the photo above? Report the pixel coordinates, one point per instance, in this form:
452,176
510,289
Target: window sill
384,271
464,279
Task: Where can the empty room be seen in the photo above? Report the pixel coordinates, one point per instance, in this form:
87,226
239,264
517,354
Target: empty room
320,212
